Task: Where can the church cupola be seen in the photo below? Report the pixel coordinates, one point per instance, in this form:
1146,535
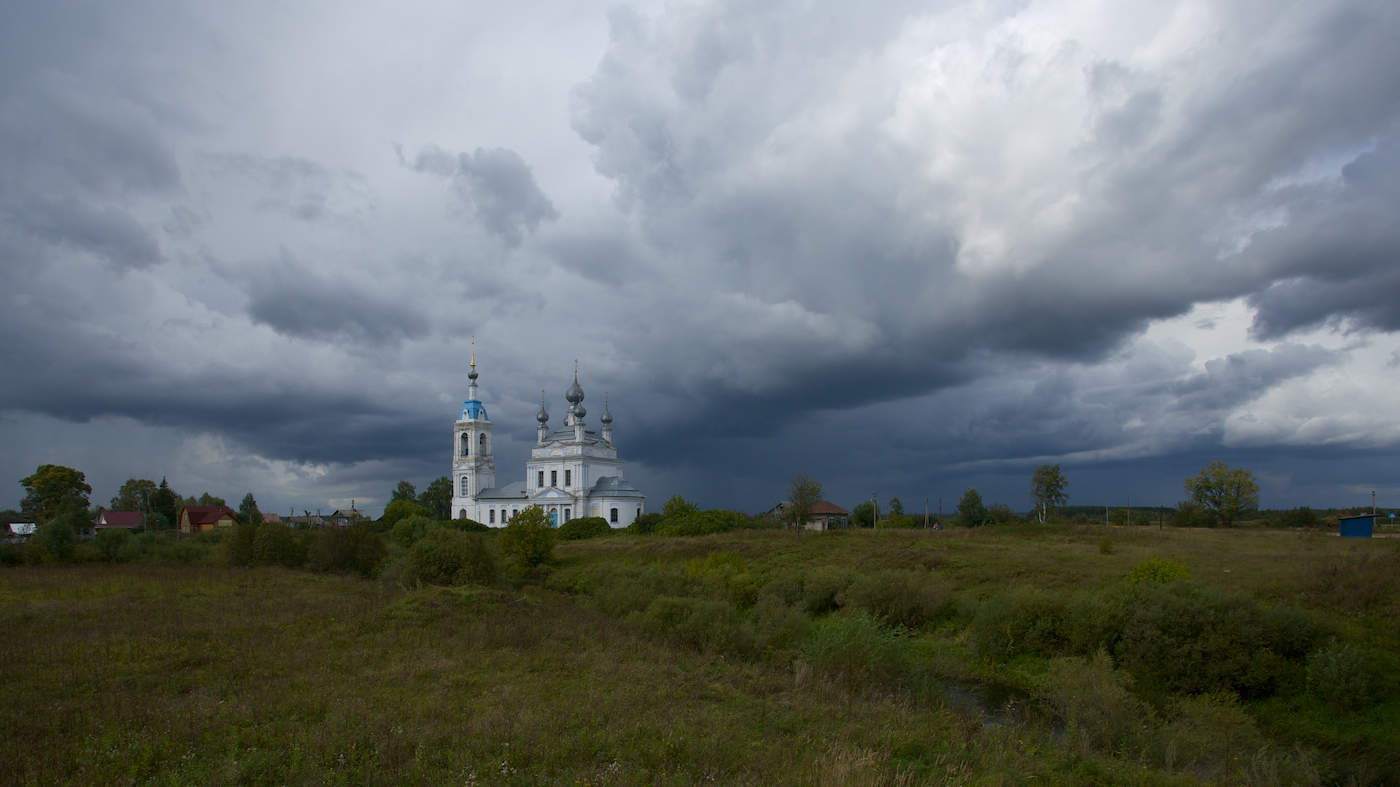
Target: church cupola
473,462
576,409
472,409
543,417
607,420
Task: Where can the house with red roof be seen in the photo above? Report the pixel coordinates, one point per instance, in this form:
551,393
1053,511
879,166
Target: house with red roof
198,519
824,515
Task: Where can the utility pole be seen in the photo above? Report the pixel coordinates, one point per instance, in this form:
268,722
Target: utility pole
926,513
1373,502
874,511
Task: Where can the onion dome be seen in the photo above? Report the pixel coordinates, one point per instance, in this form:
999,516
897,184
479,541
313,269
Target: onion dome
471,375
543,415
607,414
575,393
579,411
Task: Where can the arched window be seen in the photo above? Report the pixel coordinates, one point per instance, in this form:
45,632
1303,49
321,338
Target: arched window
465,490
462,514
491,517
466,445
483,443
612,515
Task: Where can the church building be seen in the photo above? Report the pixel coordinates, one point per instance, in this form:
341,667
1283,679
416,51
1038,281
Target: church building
572,472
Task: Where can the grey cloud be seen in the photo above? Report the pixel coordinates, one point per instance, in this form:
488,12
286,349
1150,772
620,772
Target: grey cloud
298,302
106,231
497,185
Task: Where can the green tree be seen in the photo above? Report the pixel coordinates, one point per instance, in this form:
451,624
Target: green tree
165,505
53,490
1048,490
1224,491
896,507
971,511
404,491
205,499
528,540
134,495
400,508
437,498
803,493
248,510
276,544
678,507
56,539
863,515
240,545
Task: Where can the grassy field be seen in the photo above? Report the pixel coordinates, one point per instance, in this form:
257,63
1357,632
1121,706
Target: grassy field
750,657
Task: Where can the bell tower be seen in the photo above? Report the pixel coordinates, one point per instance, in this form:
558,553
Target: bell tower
473,460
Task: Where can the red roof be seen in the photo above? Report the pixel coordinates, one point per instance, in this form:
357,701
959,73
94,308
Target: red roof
119,519
208,515
270,518
823,507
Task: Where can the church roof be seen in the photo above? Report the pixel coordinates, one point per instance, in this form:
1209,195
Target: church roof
515,490
473,409
613,486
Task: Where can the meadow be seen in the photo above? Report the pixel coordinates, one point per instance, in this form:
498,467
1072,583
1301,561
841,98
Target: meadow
998,655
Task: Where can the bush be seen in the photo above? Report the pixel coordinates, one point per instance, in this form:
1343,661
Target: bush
276,544
467,525
902,597
858,650
528,540
700,523
584,527
1159,571
238,548
451,557
357,548
698,623
1092,698
56,540
1339,675
110,542
411,528
1023,620
644,524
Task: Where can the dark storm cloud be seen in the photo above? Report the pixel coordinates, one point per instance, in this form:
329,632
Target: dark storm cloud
497,185
299,302
106,231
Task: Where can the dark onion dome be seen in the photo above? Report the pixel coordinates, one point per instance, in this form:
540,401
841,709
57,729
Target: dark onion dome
607,414
575,393
579,411
543,415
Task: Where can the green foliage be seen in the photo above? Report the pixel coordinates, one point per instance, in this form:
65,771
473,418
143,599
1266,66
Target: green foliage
900,522
697,623
1094,702
858,650
206,499
451,557
1339,674
1301,517
1106,548
584,527
56,541
277,544
53,490
644,524
528,540
971,511
1024,620
238,545
863,515
411,528
699,523
399,508
1224,491
1159,571
357,549
134,495
110,542
404,491
166,505
898,596
437,498
896,507
803,493
467,526
248,511
678,507
1048,486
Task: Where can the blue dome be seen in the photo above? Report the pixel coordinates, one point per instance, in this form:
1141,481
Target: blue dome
472,410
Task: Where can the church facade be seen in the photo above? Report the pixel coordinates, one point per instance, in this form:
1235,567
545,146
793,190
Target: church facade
572,472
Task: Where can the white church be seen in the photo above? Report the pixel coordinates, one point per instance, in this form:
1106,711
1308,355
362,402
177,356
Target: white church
572,472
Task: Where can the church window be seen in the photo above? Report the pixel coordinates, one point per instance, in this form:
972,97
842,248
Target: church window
465,490
483,442
462,514
466,445
491,517
567,515
639,513
554,478
612,515
541,480
568,478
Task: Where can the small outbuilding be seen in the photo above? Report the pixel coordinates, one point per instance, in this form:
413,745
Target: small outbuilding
199,519
1358,526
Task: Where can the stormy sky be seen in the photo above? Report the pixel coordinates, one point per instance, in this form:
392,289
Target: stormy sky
904,248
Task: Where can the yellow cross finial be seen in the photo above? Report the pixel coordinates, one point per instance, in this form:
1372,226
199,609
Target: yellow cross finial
473,352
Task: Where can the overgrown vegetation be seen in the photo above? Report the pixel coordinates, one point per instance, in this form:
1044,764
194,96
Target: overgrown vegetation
1170,656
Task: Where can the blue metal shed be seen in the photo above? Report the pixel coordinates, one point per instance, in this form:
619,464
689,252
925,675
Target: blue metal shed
1358,526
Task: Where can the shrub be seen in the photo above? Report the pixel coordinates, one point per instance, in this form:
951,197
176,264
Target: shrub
700,523
725,576
1338,674
411,528
902,597
584,527
110,542
528,540
451,557
859,650
56,540
702,624
400,509
467,525
238,548
357,548
1093,700
1023,620
1160,571
775,626
1206,736
820,588
644,524
276,544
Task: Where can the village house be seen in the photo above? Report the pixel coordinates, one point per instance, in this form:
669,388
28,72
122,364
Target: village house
118,520
198,519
